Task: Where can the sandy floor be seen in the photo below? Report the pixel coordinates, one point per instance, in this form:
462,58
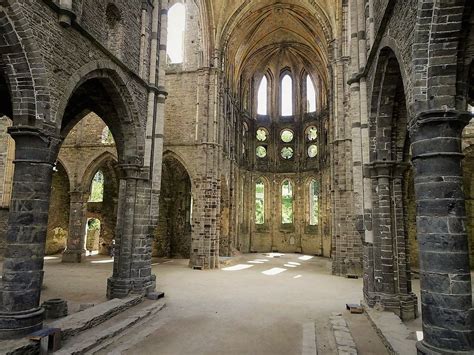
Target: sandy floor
262,305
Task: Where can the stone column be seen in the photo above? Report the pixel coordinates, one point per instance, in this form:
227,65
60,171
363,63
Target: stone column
133,238
75,251
446,294
389,285
20,287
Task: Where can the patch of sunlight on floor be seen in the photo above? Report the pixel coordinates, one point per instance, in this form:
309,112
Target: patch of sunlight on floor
274,271
102,261
419,335
293,263
306,257
237,267
298,276
51,257
289,265
274,255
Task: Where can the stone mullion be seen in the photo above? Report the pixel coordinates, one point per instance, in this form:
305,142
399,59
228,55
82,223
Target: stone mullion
446,293
401,282
390,284
75,251
35,154
376,249
384,223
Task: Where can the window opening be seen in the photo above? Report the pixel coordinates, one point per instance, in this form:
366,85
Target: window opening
287,202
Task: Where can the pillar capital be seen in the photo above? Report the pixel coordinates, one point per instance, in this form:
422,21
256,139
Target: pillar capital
385,169
33,145
438,127
79,196
133,172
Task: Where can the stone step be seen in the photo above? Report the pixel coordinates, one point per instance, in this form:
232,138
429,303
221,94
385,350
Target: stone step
396,336
74,324
96,340
91,317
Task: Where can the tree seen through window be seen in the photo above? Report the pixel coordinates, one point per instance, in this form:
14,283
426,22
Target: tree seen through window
260,202
97,188
314,203
287,202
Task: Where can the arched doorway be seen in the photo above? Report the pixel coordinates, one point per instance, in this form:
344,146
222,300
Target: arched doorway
173,236
90,151
387,280
102,189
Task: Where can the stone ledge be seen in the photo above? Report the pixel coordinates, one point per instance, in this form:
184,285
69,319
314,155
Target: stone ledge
74,324
344,342
97,341
91,317
395,335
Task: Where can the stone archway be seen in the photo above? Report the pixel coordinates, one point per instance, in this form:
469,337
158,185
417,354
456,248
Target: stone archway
387,277
173,235
105,209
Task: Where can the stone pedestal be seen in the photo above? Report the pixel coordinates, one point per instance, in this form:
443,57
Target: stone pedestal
75,251
20,286
446,294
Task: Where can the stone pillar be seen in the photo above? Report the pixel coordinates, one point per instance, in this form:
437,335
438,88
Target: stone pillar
388,284
75,251
446,294
133,238
20,288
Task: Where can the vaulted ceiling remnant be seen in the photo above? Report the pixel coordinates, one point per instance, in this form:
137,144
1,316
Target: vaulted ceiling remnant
253,36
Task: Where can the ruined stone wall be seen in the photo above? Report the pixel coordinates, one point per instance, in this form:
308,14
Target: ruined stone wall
399,35
297,237
68,53
83,150
58,216
191,134
468,174
173,235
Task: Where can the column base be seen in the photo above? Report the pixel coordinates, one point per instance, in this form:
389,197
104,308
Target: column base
425,349
203,262
73,256
121,288
18,324
404,306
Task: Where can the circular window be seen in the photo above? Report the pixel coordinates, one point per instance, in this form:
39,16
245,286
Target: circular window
262,134
261,152
312,133
312,150
287,136
287,153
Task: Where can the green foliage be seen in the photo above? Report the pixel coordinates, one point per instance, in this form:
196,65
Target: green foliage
260,203
287,203
97,188
93,224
